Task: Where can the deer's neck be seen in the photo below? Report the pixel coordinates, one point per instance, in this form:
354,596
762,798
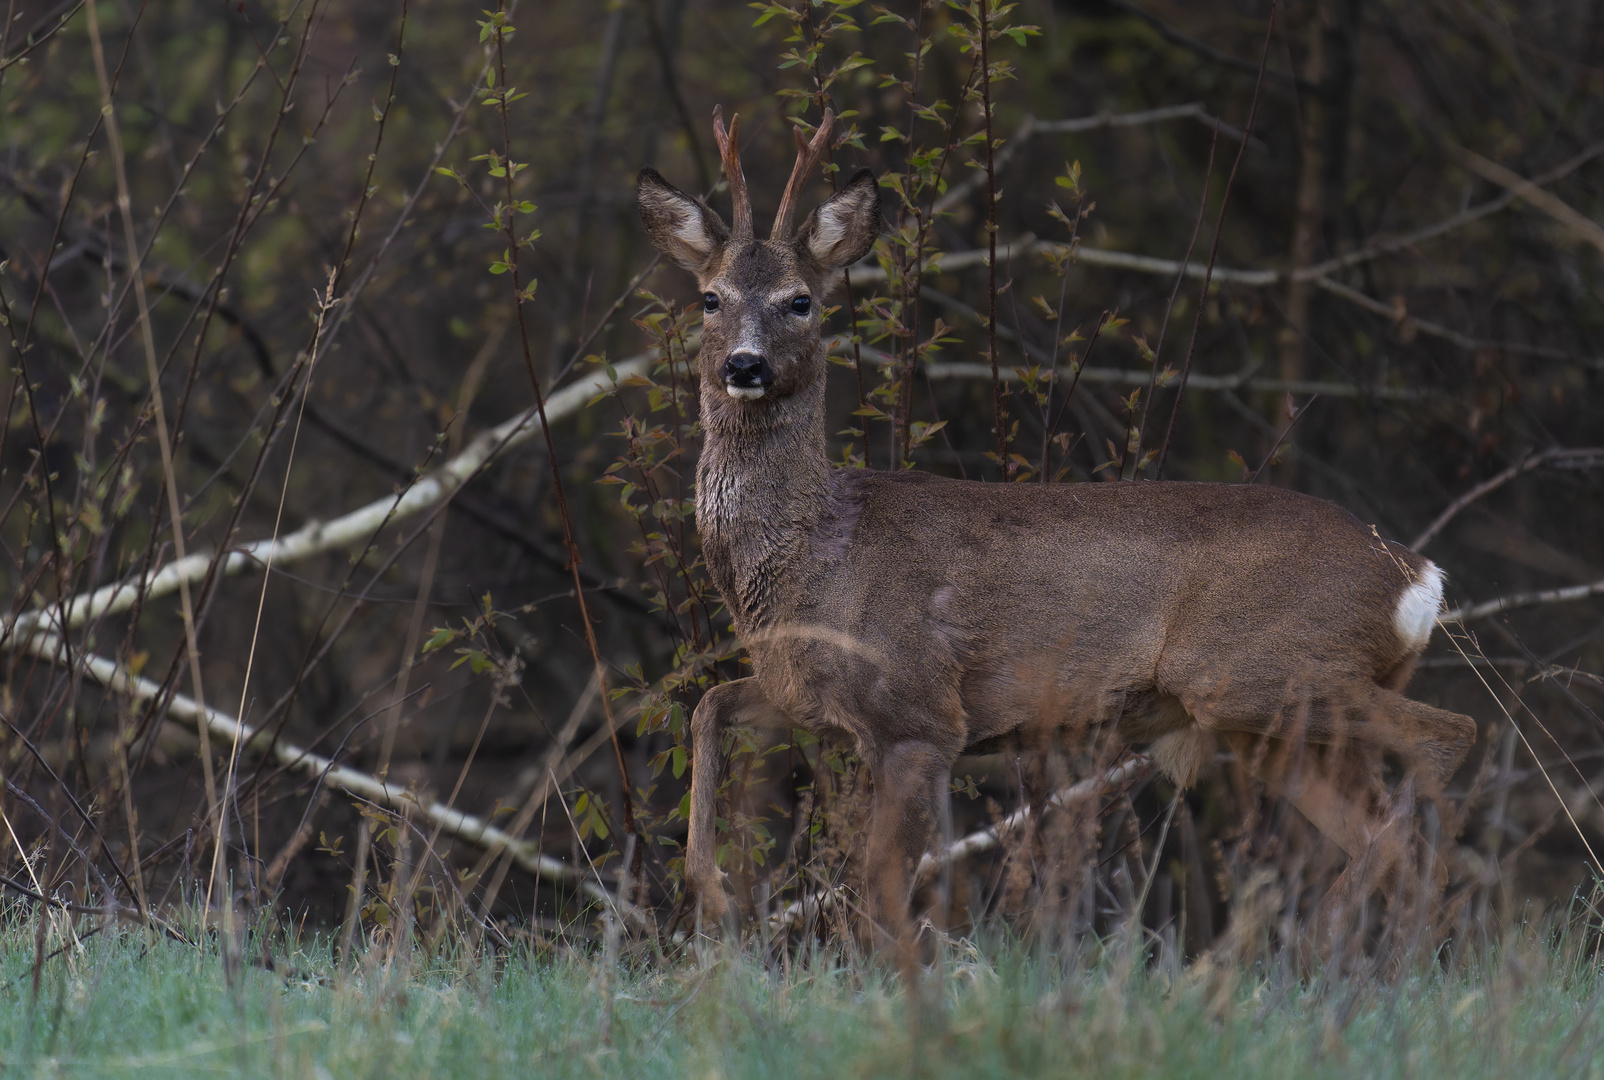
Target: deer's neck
762,488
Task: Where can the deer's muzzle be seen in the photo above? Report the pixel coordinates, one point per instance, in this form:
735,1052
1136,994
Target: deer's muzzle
746,375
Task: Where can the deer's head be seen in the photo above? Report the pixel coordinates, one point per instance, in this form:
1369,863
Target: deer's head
762,299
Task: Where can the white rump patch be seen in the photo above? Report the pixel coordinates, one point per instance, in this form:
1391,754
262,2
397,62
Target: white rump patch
1418,607
745,393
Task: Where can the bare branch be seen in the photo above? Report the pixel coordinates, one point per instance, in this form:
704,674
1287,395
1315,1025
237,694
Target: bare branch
1589,457
1124,773
795,914
1132,377
316,537
1207,51
474,830
1032,127
1147,264
1375,249
1522,188
1399,315
36,39
1121,260
1522,600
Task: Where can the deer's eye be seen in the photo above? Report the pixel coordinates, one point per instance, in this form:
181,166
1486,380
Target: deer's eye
709,302
801,305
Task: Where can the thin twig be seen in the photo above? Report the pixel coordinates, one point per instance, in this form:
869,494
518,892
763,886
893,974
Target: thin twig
1455,639
1293,418
1214,248
621,907
153,373
553,761
999,396
515,276
1584,458
35,41
1080,371
1169,306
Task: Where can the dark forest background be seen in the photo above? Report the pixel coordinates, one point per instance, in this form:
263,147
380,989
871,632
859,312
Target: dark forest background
298,214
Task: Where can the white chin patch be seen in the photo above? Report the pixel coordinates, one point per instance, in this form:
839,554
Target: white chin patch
1416,614
745,393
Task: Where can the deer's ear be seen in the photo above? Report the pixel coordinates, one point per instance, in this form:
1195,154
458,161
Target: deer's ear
844,228
682,228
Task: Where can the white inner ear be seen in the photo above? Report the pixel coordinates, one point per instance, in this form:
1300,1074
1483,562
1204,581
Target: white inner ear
690,232
830,230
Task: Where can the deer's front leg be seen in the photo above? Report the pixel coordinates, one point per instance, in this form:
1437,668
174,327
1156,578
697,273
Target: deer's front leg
731,704
908,779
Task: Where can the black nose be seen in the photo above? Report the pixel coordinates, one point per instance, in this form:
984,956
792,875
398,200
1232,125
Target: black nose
747,369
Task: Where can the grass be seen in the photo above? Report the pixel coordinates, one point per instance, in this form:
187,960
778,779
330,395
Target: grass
124,1005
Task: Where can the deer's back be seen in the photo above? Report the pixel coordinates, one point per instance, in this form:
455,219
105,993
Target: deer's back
962,607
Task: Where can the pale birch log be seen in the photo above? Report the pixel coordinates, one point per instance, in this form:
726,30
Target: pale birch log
1525,599
316,537
474,830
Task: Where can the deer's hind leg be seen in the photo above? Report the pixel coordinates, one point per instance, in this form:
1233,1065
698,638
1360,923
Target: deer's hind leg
1338,788
1340,791
1430,742
1338,785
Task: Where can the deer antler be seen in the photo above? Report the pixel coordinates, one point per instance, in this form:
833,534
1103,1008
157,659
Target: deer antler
741,226
807,156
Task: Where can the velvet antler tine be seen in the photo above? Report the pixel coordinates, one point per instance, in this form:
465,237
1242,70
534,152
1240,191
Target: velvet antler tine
730,152
807,156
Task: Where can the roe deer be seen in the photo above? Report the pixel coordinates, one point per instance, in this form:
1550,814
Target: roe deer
922,615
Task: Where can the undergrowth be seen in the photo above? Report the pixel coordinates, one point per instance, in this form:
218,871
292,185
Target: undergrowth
119,1003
